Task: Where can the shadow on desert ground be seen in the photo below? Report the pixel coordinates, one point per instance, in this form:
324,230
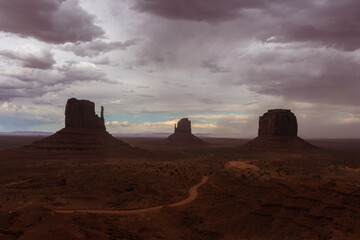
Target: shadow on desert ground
307,194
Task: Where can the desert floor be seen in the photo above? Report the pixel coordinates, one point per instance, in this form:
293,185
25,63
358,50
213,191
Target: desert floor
214,192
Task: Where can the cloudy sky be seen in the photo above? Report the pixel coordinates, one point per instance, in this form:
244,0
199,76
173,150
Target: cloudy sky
151,62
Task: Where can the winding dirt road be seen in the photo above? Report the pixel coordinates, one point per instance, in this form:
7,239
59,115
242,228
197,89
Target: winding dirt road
192,196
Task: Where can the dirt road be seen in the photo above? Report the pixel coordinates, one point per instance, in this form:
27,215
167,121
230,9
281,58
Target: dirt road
192,196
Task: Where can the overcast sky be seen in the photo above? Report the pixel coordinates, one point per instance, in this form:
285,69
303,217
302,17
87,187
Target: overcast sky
152,62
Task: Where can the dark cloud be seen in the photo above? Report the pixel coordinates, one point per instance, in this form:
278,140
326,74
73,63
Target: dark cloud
30,83
266,54
197,10
304,74
53,21
43,59
294,50
23,86
94,48
330,23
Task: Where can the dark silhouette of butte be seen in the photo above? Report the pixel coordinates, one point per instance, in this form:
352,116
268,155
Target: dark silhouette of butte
278,128
84,130
182,134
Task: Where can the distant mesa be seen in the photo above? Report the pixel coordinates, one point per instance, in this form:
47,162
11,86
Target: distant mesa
278,128
84,130
182,134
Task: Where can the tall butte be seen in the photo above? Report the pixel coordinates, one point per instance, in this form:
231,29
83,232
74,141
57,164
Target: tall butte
182,134
81,114
84,130
278,128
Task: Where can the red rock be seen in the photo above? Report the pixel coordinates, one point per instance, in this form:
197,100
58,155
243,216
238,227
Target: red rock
277,130
278,122
182,134
184,126
84,130
81,114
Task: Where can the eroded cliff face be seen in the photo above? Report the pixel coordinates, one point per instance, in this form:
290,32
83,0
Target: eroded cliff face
84,130
278,122
81,114
184,125
278,129
182,134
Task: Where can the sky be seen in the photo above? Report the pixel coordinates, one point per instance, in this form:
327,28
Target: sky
222,64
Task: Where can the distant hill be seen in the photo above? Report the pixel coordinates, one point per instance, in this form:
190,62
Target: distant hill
147,135
26,133
152,135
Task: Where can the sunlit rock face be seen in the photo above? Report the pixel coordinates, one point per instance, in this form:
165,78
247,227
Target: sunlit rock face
81,114
278,122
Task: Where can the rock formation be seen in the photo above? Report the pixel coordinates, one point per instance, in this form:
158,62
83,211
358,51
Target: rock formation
183,126
84,130
182,134
277,129
278,122
81,114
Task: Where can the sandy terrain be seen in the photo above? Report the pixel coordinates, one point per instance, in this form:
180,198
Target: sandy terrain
242,165
192,196
311,194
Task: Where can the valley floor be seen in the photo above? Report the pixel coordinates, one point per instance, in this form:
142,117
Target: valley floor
313,194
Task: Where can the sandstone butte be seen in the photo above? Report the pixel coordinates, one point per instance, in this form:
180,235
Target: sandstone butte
84,130
278,128
182,135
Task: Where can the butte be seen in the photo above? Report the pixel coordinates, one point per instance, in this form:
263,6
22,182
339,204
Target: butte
182,135
278,129
84,130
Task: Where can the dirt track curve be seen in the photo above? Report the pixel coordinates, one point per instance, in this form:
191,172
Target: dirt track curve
193,193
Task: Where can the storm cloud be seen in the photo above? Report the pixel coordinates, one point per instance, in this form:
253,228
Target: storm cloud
42,59
211,11
221,63
332,23
300,51
18,82
53,21
301,73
